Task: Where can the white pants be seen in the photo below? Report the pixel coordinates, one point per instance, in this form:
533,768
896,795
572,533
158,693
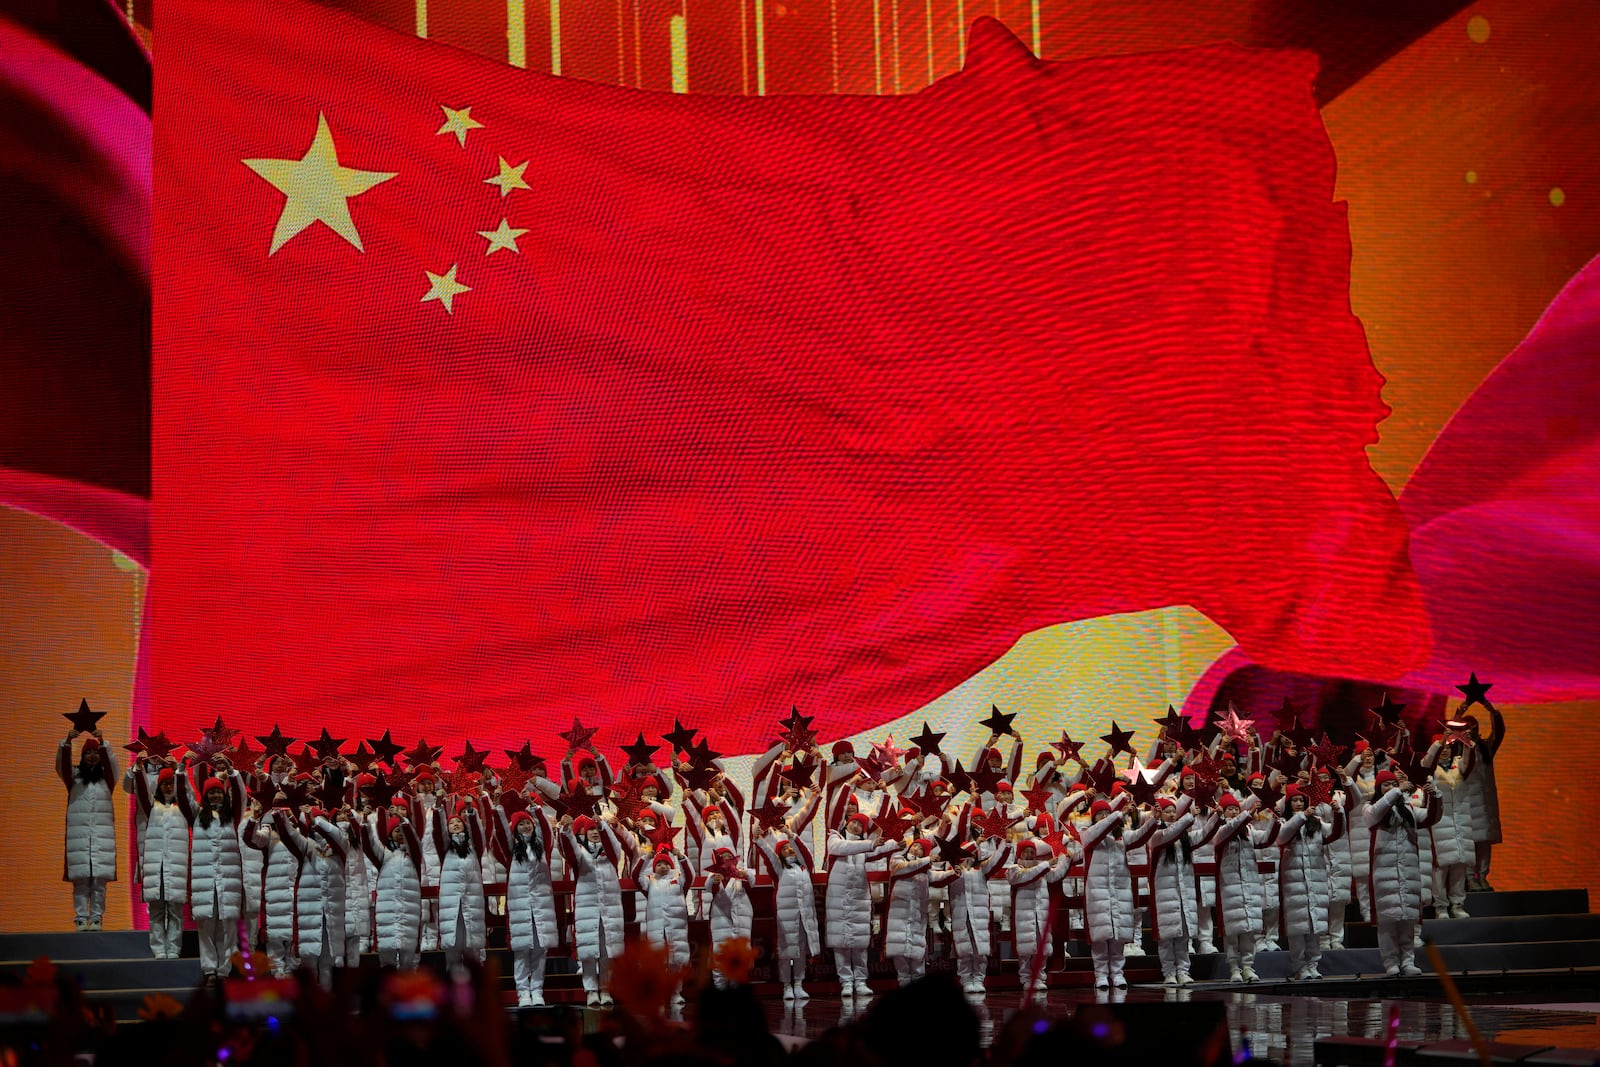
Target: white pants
352,950
166,929
1454,884
281,954
596,973
791,972
1397,943
851,963
453,956
1107,961
404,959
1305,952
528,967
1335,925
249,927
218,940
908,970
971,968
88,899
1174,953
1202,928
1240,949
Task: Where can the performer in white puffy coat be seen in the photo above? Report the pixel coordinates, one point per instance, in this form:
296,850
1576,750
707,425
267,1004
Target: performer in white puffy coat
165,858
1392,824
1455,834
795,905
91,830
664,921
1337,855
1174,886
319,891
1108,887
357,888
393,847
968,887
1303,877
1030,878
147,767
1360,786
906,929
848,901
592,852
731,911
525,843
1239,882
280,869
463,927
424,800
216,872
251,864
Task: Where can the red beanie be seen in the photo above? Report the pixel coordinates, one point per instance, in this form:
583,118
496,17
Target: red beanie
587,761
1228,800
1002,787
1040,759
1383,776
165,776
212,783
861,817
424,774
1029,844
991,754
1098,808
1256,777
710,810
718,854
576,786
663,855
1165,802
1293,790
1118,787
91,744
779,845
362,779
843,748
927,845
1362,745
582,825
519,818
1079,787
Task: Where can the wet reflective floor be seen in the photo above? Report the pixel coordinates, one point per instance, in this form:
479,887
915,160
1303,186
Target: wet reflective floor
1285,1029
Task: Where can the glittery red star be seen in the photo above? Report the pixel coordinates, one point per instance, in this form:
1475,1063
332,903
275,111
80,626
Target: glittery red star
797,734
421,754
385,749
513,779
242,755
524,757
803,772
769,816
305,760
580,736
663,836
381,792
470,758
462,782
625,796
680,738
892,823
275,744
327,746
1120,740
992,823
1038,799
1069,748
84,719
960,781
641,752
362,758
1235,728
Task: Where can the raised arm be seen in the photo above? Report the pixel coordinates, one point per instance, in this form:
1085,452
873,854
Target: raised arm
332,835
1497,729
1380,807
185,798
369,841
1170,832
64,763
1288,830
289,833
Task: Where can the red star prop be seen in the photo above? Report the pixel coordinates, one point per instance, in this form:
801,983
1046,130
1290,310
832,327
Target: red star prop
421,754
892,823
159,745
524,757
462,782
362,758
1069,748
700,777
83,720
385,749
1287,765
1326,753
297,794
513,779
998,722
992,823
928,805
1204,793
960,781
984,780
1475,691
663,836
471,759
580,736
680,738
242,755
769,816
1269,793
1318,791
1172,724
330,795
275,744
1382,738
1103,775
221,732
870,768
1411,764
949,849
797,734
640,752
203,749
512,802
1057,841
1235,728
381,792
1289,725
727,866
137,744
580,803
701,754
1120,740
927,741
1140,786
803,772
305,760
1206,769
327,746
887,753
260,788
1388,712
1038,799
625,796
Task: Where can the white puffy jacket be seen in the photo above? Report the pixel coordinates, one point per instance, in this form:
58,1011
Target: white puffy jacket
460,884
530,896
1030,904
847,899
597,893
166,844
1239,890
280,869
906,929
1392,824
216,867
968,888
91,837
1456,831
1173,884
1303,871
1107,881
319,893
666,907
794,900
398,909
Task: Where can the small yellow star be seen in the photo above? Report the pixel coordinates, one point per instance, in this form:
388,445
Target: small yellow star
458,123
316,189
444,287
502,237
509,177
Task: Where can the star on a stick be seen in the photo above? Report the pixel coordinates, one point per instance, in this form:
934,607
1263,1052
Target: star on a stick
960,781
984,780
1475,691
769,816
701,754
993,823
1234,727
680,738
1289,725
797,733
470,758
275,744
1069,748
949,849
316,188
83,720
803,772
1103,775
509,177
203,749
458,121
927,741
159,745
626,797
1172,725
1457,730
363,758
513,779
462,782
306,760
870,767
887,753
137,744
998,722
330,795
1038,798
242,755
221,732
524,757
386,749
1120,740
511,801
503,236
640,752
422,753
580,736
1325,752
327,745
892,823
444,288
1388,712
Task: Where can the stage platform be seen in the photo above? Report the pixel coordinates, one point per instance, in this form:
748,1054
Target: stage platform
1541,948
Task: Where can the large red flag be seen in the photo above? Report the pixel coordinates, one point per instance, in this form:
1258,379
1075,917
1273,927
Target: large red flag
485,398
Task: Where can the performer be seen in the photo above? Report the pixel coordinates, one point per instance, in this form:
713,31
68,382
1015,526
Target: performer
1360,786
728,889
794,899
1485,794
1396,878
848,902
165,857
424,801
280,870
906,939
524,843
1336,854
1303,883
357,888
251,862
319,892
968,886
1174,888
216,871
665,918
1030,878
91,837
463,929
1267,941
1239,882
1455,834
392,845
592,852
1108,888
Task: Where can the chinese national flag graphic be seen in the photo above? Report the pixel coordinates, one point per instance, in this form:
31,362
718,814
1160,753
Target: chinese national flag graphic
484,397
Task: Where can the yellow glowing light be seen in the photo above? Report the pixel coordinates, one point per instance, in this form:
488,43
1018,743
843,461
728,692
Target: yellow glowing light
1478,29
1472,177
1558,196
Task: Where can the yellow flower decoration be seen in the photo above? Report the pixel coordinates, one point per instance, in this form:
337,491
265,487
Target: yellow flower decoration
734,958
159,1006
643,978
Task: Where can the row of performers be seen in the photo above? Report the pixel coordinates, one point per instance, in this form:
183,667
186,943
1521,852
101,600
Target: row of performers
327,884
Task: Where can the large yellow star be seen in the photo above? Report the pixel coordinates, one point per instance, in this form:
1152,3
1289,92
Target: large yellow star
316,189
458,122
502,237
444,287
509,177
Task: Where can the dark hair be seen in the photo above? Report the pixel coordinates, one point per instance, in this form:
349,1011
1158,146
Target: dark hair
523,848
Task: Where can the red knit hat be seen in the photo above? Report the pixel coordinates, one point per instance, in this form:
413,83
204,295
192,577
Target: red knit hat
780,844
582,825
364,779
843,748
1293,790
166,775
1383,776
991,754
1098,808
1119,787
1041,758
1166,802
1002,787
576,785
519,818
1362,745
663,855
717,854
710,810
587,761
424,774
212,783
91,744
1256,777
1079,787
1228,800
861,817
